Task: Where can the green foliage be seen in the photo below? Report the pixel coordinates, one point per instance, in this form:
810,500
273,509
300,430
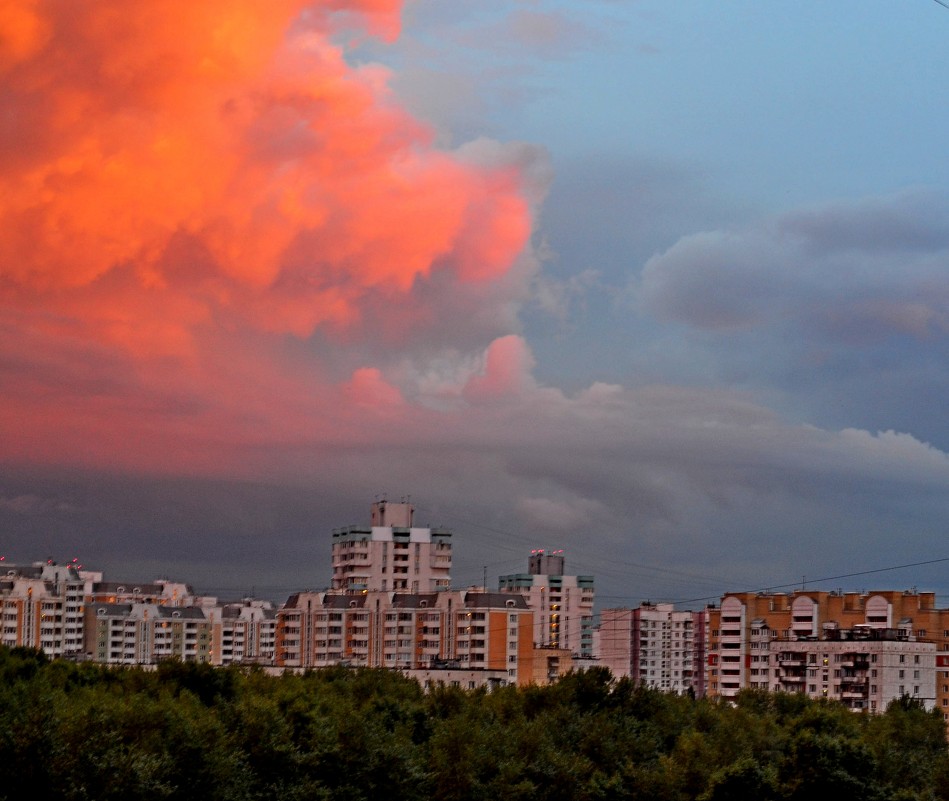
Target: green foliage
187,731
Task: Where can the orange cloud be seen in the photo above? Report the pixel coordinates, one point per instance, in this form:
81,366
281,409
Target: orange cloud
224,122
183,185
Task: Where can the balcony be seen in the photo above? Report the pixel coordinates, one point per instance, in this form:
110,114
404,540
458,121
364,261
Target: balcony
859,663
853,681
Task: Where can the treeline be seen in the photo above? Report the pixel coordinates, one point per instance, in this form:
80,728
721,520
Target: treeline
188,731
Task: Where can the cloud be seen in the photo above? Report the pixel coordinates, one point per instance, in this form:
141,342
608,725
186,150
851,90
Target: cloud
209,208
837,314
875,266
279,166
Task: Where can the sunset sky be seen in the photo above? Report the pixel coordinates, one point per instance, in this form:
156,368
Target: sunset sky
665,285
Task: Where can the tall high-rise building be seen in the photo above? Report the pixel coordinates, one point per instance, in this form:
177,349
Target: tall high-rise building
562,604
391,554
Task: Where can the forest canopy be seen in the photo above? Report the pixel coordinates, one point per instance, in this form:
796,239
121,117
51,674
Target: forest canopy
186,731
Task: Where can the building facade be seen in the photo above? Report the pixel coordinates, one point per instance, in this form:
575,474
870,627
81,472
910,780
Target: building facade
471,630
656,646
72,613
743,628
142,633
42,606
562,604
863,668
391,554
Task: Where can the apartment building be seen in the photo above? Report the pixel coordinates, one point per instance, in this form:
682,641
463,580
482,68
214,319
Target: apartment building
743,628
391,606
145,634
142,633
42,606
72,613
655,645
863,668
243,632
391,554
562,604
466,629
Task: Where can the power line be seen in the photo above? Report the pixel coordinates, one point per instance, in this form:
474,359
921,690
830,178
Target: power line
827,578
942,3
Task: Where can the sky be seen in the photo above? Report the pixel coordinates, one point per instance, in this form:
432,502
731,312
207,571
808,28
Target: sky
665,285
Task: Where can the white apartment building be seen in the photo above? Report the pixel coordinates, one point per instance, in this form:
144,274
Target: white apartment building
863,668
562,604
391,554
72,613
655,645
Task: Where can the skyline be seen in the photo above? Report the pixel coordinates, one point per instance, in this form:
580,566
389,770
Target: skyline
664,286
